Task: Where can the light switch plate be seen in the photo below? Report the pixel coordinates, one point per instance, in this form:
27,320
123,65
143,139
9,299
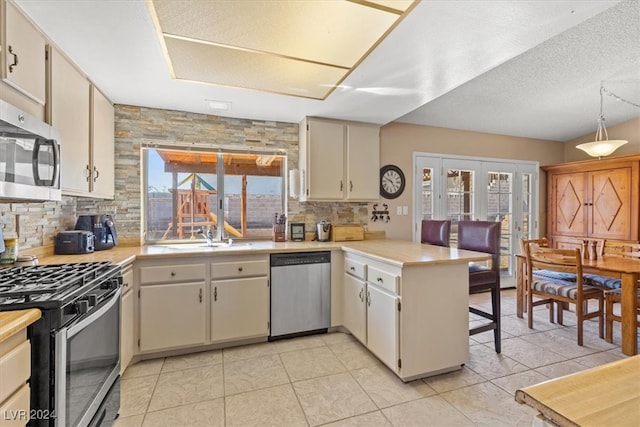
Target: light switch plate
405,210
399,210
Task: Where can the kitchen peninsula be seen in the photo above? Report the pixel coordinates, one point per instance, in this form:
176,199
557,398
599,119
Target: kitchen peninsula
405,301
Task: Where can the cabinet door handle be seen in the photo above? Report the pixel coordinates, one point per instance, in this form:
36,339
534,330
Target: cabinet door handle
200,295
341,186
368,299
352,268
15,59
87,172
173,273
379,280
240,269
360,295
350,186
215,293
96,174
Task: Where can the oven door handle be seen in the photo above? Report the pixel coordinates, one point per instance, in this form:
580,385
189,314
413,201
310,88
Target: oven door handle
75,329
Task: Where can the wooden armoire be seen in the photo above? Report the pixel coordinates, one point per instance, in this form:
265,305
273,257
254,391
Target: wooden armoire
595,199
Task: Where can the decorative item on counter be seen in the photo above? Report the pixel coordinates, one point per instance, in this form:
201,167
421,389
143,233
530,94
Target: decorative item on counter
382,215
279,227
10,251
323,231
297,232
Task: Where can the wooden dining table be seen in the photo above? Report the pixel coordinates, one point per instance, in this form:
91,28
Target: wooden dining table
626,269
607,395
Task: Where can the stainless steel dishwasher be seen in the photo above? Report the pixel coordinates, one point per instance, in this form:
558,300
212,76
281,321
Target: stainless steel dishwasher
300,293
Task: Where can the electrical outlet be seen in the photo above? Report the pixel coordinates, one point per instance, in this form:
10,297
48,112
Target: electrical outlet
399,210
405,210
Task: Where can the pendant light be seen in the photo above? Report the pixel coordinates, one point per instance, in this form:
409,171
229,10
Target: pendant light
602,146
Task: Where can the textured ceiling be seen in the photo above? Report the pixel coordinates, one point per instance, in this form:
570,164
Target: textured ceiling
528,68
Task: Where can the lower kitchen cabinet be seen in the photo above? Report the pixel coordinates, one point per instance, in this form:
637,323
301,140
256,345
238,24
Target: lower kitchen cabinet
407,320
127,319
172,316
382,324
239,308
354,297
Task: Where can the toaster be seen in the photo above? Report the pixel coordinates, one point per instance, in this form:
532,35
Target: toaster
74,242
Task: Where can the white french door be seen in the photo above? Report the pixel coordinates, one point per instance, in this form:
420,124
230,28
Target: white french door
459,188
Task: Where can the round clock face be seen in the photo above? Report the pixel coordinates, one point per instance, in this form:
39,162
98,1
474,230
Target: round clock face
391,181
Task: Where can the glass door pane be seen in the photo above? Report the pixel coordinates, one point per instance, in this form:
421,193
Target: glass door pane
428,189
500,205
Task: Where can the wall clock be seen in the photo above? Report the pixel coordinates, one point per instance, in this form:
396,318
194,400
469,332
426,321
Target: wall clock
391,181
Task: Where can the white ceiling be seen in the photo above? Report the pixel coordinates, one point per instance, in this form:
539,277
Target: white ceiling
524,68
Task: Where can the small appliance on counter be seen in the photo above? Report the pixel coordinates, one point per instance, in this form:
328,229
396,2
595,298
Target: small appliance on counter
102,227
74,242
323,231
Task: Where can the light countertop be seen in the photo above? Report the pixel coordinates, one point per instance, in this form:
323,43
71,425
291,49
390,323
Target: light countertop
12,322
399,252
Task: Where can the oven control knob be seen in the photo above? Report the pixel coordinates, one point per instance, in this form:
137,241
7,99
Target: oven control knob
82,306
93,299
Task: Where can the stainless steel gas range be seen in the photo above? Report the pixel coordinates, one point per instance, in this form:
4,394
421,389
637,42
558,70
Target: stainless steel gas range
75,346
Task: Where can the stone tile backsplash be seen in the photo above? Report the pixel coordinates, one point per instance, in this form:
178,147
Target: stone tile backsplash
37,223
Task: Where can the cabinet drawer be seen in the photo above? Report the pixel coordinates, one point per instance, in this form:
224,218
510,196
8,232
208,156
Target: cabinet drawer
16,369
244,268
15,410
382,278
172,273
355,268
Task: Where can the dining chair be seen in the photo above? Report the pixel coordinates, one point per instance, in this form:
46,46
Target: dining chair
484,236
436,232
614,296
551,290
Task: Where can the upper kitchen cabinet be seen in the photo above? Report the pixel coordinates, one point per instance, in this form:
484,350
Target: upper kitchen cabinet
593,199
22,61
85,119
339,161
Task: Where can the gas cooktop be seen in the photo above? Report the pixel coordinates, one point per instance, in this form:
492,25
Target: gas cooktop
50,285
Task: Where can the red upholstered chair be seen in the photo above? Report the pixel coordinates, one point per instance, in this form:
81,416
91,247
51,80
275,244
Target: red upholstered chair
484,236
436,232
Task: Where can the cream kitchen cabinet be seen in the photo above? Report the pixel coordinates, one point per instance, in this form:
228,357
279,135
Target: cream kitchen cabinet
410,323
354,292
85,119
339,160
239,298
127,323
371,306
172,300
23,60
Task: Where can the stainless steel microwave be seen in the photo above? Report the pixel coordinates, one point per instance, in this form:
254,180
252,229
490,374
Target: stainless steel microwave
29,157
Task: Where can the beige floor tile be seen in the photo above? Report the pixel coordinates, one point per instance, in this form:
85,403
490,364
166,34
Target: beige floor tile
517,327
431,411
562,341
514,382
332,398
193,360
209,413
486,362
275,406
135,394
292,344
253,374
560,369
457,379
248,351
311,363
187,386
133,421
529,354
354,355
336,337
143,368
596,359
372,419
386,389
487,337
487,404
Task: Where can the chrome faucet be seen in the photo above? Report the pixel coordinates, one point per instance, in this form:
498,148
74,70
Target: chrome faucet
208,235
